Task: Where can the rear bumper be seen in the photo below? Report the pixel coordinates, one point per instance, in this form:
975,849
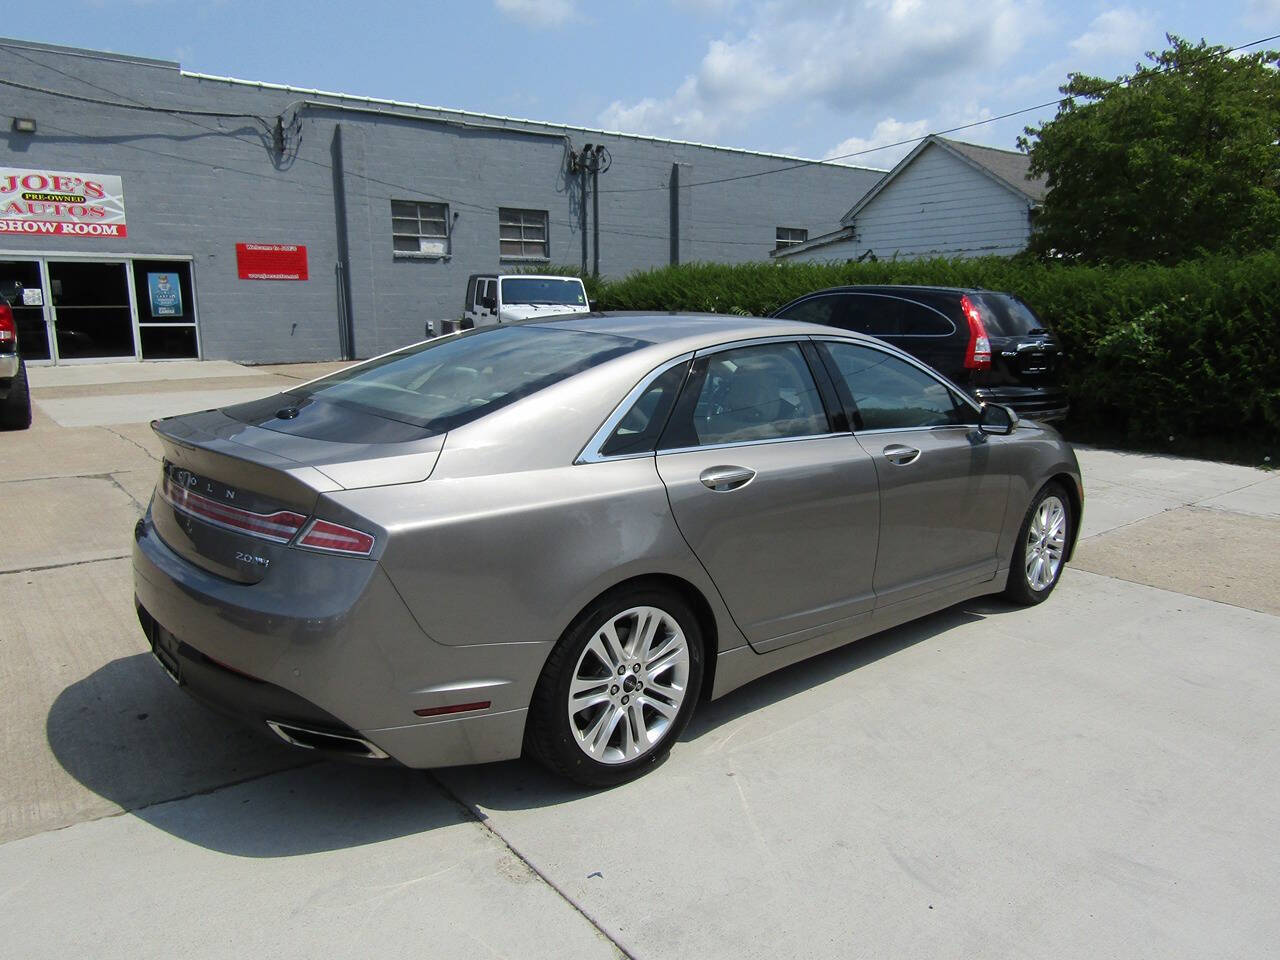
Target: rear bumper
262,706
8,368
351,663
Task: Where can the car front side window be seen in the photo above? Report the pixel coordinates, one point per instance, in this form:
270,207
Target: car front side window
891,394
763,392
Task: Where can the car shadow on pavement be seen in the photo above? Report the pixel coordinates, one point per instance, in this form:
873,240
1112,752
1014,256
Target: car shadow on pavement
126,733
129,735
816,671
522,784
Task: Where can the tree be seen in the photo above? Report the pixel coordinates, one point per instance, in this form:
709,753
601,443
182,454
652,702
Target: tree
1178,159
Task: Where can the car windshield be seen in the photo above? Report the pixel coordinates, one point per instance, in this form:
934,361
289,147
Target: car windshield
543,290
445,383
1007,316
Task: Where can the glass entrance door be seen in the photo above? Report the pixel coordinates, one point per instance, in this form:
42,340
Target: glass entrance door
166,309
92,315
20,287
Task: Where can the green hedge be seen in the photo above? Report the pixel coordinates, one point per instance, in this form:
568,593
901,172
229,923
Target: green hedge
1189,351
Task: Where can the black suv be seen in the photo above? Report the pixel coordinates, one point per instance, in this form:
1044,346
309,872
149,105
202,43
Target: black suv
991,344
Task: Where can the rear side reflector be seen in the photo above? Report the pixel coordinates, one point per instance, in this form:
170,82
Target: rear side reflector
279,527
335,538
454,708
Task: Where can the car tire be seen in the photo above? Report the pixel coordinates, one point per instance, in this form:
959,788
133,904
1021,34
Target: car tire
15,411
1039,553
633,660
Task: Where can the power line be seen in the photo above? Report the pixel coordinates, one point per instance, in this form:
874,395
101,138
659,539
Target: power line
406,189
183,113
122,105
900,143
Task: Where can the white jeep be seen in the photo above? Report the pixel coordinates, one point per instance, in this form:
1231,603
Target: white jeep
497,298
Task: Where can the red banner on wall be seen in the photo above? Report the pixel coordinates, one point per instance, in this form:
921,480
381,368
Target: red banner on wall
271,261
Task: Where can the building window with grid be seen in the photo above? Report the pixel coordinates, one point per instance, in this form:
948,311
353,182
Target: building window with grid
790,236
420,228
522,234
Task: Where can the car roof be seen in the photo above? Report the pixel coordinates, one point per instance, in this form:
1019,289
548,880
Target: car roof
898,288
690,331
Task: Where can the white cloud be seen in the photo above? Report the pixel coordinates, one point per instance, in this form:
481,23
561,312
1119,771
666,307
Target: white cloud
887,131
1117,32
843,56
540,13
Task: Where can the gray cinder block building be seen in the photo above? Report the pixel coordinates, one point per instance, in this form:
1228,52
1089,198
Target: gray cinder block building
147,212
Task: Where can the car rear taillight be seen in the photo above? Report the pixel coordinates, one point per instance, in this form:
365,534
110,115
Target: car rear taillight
978,354
279,527
8,329
335,538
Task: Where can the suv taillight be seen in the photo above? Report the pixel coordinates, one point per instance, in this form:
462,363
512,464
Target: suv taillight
8,329
978,354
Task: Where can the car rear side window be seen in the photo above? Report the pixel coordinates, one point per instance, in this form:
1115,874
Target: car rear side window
890,394
641,426
445,383
763,392
888,316
874,314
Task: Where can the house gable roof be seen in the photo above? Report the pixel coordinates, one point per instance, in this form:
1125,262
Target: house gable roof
1008,168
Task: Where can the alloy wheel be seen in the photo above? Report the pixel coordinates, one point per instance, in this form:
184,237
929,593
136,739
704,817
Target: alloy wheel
1046,542
628,685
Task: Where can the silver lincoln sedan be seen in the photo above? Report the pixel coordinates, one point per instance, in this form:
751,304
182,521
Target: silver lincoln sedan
556,537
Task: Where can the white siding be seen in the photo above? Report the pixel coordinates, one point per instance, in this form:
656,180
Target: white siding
938,205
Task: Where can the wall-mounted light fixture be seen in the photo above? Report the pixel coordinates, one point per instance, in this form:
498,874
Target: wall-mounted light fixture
24,125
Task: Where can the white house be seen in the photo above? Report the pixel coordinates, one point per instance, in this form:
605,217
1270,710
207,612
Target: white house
944,199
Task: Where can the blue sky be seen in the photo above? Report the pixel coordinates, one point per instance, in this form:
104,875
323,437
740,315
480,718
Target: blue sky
813,78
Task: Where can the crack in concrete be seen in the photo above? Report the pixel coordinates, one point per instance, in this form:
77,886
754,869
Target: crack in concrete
488,827
142,507
123,811
109,477
117,433
59,566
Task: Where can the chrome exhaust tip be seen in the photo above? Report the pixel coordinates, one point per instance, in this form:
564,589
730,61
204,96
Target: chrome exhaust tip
310,738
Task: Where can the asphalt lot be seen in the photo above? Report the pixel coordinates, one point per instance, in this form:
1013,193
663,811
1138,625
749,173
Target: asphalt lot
1093,777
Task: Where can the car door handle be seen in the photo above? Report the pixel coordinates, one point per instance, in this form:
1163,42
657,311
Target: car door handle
724,479
901,454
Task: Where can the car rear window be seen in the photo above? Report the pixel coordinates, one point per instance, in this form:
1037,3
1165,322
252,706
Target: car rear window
442,384
1007,316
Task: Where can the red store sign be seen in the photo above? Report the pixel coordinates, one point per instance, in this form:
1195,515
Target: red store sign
271,261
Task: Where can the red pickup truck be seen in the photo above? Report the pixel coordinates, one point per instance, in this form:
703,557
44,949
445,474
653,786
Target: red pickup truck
15,399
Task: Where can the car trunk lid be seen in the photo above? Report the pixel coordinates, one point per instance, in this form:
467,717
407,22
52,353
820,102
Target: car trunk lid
233,495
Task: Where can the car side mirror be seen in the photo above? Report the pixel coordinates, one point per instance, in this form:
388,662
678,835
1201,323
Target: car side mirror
997,419
489,303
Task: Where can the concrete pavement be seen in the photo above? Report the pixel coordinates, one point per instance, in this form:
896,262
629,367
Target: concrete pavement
1091,777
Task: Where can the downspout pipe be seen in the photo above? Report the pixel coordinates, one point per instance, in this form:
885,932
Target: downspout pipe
595,211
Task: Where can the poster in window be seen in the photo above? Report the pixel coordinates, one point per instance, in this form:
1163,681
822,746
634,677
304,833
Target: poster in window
166,295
